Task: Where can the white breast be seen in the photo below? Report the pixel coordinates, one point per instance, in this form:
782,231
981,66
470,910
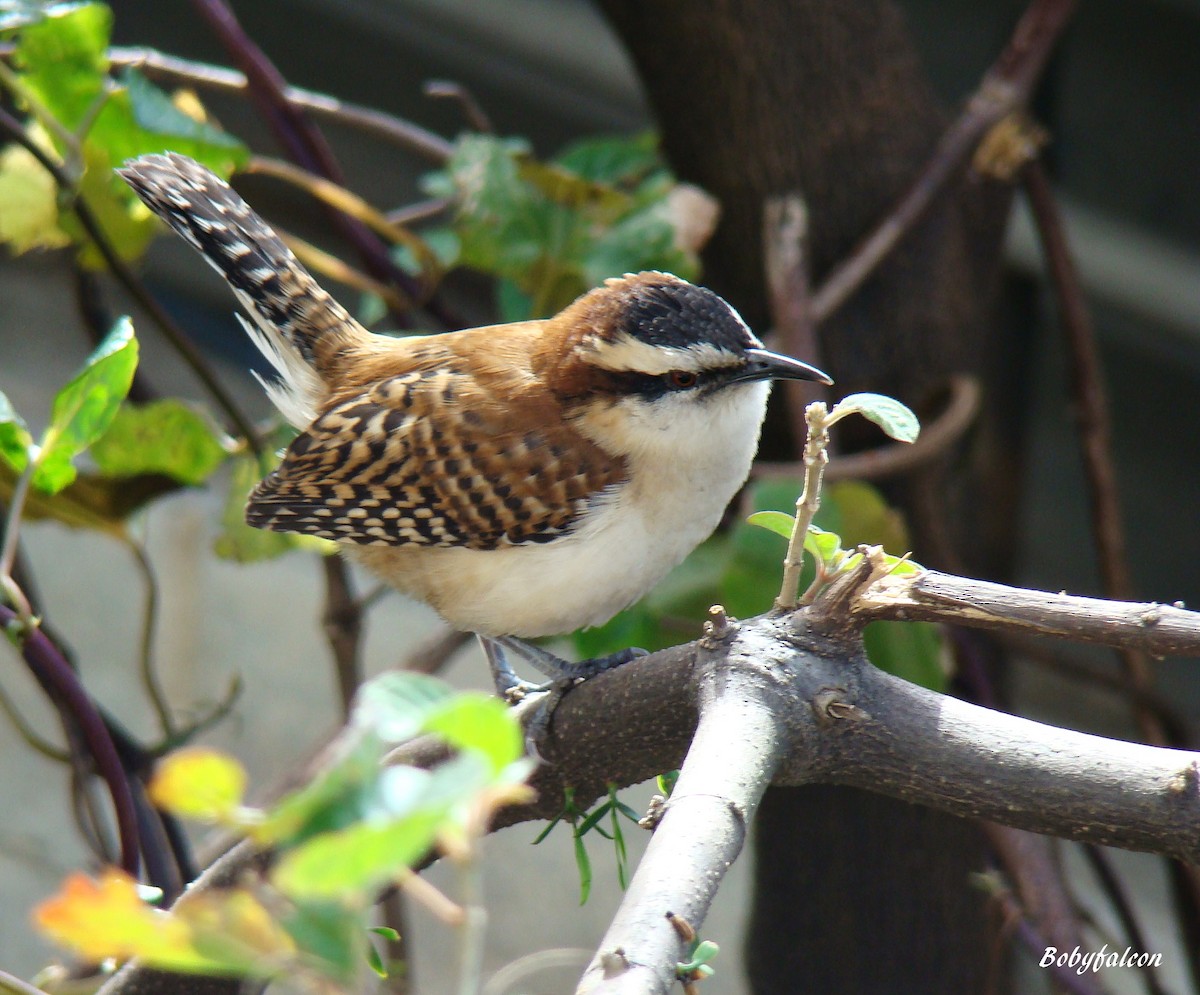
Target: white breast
686,463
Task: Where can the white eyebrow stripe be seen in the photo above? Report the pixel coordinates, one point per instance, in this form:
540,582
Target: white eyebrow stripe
627,354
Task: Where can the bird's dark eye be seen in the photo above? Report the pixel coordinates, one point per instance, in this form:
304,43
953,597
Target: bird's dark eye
682,379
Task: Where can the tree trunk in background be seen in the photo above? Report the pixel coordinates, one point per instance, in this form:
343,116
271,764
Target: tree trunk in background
827,98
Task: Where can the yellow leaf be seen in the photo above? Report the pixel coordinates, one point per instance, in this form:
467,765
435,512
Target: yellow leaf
221,932
234,926
28,203
107,918
199,784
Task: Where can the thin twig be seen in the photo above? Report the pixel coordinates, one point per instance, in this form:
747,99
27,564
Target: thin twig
1116,683
12,985
816,455
98,321
405,134
476,117
27,734
56,675
343,629
338,269
350,203
398,951
473,928
1103,869
433,655
304,143
1067,978
1005,87
1030,864
1090,406
9,546
149,673
785,244
175,335
1160,630
894,458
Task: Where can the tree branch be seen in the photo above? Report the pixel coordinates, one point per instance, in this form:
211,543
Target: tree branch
789,699
739,742
1004,88
1160,630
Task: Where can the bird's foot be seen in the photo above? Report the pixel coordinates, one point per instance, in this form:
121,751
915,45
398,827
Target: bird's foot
563,675
558,669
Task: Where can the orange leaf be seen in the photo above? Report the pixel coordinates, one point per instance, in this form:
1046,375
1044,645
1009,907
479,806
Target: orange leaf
107,918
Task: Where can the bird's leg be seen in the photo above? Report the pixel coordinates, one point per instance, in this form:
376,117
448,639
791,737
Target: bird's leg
508,685
560,670
562,673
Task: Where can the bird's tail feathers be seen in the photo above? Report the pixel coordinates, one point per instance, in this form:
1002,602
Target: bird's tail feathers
297,326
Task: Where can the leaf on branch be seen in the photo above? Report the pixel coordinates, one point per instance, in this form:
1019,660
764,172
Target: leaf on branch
199,783
897,420
243,544
91,501
15,440
550,231
85,407
165,436
779,522
226,932
63,61
28,203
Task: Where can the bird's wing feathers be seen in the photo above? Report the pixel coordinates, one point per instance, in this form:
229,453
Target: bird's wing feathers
422,459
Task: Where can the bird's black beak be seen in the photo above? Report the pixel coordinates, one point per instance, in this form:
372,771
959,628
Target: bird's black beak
764,365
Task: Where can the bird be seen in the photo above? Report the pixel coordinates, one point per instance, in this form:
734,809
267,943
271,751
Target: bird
525,479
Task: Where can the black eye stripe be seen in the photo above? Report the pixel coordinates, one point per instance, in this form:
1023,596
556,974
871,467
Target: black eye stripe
651,386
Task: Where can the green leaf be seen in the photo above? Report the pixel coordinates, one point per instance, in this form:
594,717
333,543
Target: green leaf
337,797
585,869
915,651
28,203
356,860
666,782
15,440
552,230
867,517
63,59
165,436
157,117
86,406
238,541
825,546
481,724
593,817
92,501
779,522
375,962
387,932
332,934
889,414
619,160
640,241
127,223
396,705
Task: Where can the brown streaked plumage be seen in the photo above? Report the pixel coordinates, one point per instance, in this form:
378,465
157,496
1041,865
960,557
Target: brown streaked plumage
524,479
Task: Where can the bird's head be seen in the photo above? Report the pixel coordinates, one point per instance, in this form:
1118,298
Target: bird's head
649,358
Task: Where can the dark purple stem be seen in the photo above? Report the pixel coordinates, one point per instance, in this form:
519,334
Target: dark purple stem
305,145
55,674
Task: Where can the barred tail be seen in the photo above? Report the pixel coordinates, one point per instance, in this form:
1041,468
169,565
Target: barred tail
297,325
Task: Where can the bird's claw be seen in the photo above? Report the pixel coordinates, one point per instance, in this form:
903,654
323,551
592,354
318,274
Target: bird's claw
563,675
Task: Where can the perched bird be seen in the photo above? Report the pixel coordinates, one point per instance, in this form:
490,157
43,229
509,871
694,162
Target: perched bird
524,480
